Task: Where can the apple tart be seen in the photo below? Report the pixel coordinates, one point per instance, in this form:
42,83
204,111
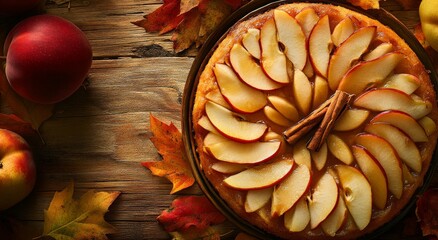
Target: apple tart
314,121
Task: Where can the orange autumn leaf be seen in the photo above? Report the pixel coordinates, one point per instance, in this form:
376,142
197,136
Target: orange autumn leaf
175,166
365,4
192,20
67,218
31,112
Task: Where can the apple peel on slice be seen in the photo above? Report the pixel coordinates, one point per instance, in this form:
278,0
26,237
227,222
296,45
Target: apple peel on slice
404,82
249,71
387,157
370,73
323,199
256,199
375,174
357,194
273,61
383,99
320,45
403,145
291,35
404,122
342,31
349,52
260,176
230,125
290,190
244,153
239,95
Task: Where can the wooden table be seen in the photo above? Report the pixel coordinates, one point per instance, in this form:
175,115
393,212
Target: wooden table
99,136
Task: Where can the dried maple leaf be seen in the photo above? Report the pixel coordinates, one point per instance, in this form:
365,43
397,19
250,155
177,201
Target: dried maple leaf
190,213
163,19
30,112
174,166
365,4
193,20
67,218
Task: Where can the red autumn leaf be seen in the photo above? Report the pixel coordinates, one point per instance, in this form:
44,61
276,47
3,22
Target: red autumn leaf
193,20
33,113
175,165
15,124
427,212
194,213
163,19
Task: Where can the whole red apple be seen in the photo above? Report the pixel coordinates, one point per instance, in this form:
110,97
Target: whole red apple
16,7
17,169
47,58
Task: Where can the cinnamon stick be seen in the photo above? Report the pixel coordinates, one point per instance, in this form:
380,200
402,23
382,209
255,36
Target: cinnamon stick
304,126
335,109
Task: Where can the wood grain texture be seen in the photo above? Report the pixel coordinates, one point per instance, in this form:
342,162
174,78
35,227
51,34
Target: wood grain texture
99,136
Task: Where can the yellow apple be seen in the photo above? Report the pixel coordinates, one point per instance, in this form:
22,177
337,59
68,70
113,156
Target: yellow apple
17,169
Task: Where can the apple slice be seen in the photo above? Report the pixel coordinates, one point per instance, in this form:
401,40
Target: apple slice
382,99
292,37
404,122
260,176
213,138
404,82
323,199
273,60
320,46
428,125
403,145
301,154
407,175
240,96
290,190
217,97
320,157
228,168
230,124
307,18
351,119
244,153
276,117
367,74
320,91
339,149
286,108
302,91
256,199
297,218
342,31
205,123
375,174
385,154
357,194
348,53
249,71
251,41
336,218
379,51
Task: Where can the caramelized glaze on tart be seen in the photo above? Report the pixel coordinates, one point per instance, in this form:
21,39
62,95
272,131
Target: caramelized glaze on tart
314,121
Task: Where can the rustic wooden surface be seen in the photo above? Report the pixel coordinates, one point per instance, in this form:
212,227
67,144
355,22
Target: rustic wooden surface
99,136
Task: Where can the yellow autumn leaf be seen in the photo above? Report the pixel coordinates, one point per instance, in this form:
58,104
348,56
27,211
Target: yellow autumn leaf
68,219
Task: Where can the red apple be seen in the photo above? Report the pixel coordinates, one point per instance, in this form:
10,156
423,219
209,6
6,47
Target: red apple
15,7
17,169
47,58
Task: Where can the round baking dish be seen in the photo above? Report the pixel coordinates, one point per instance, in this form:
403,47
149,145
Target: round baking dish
253,8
